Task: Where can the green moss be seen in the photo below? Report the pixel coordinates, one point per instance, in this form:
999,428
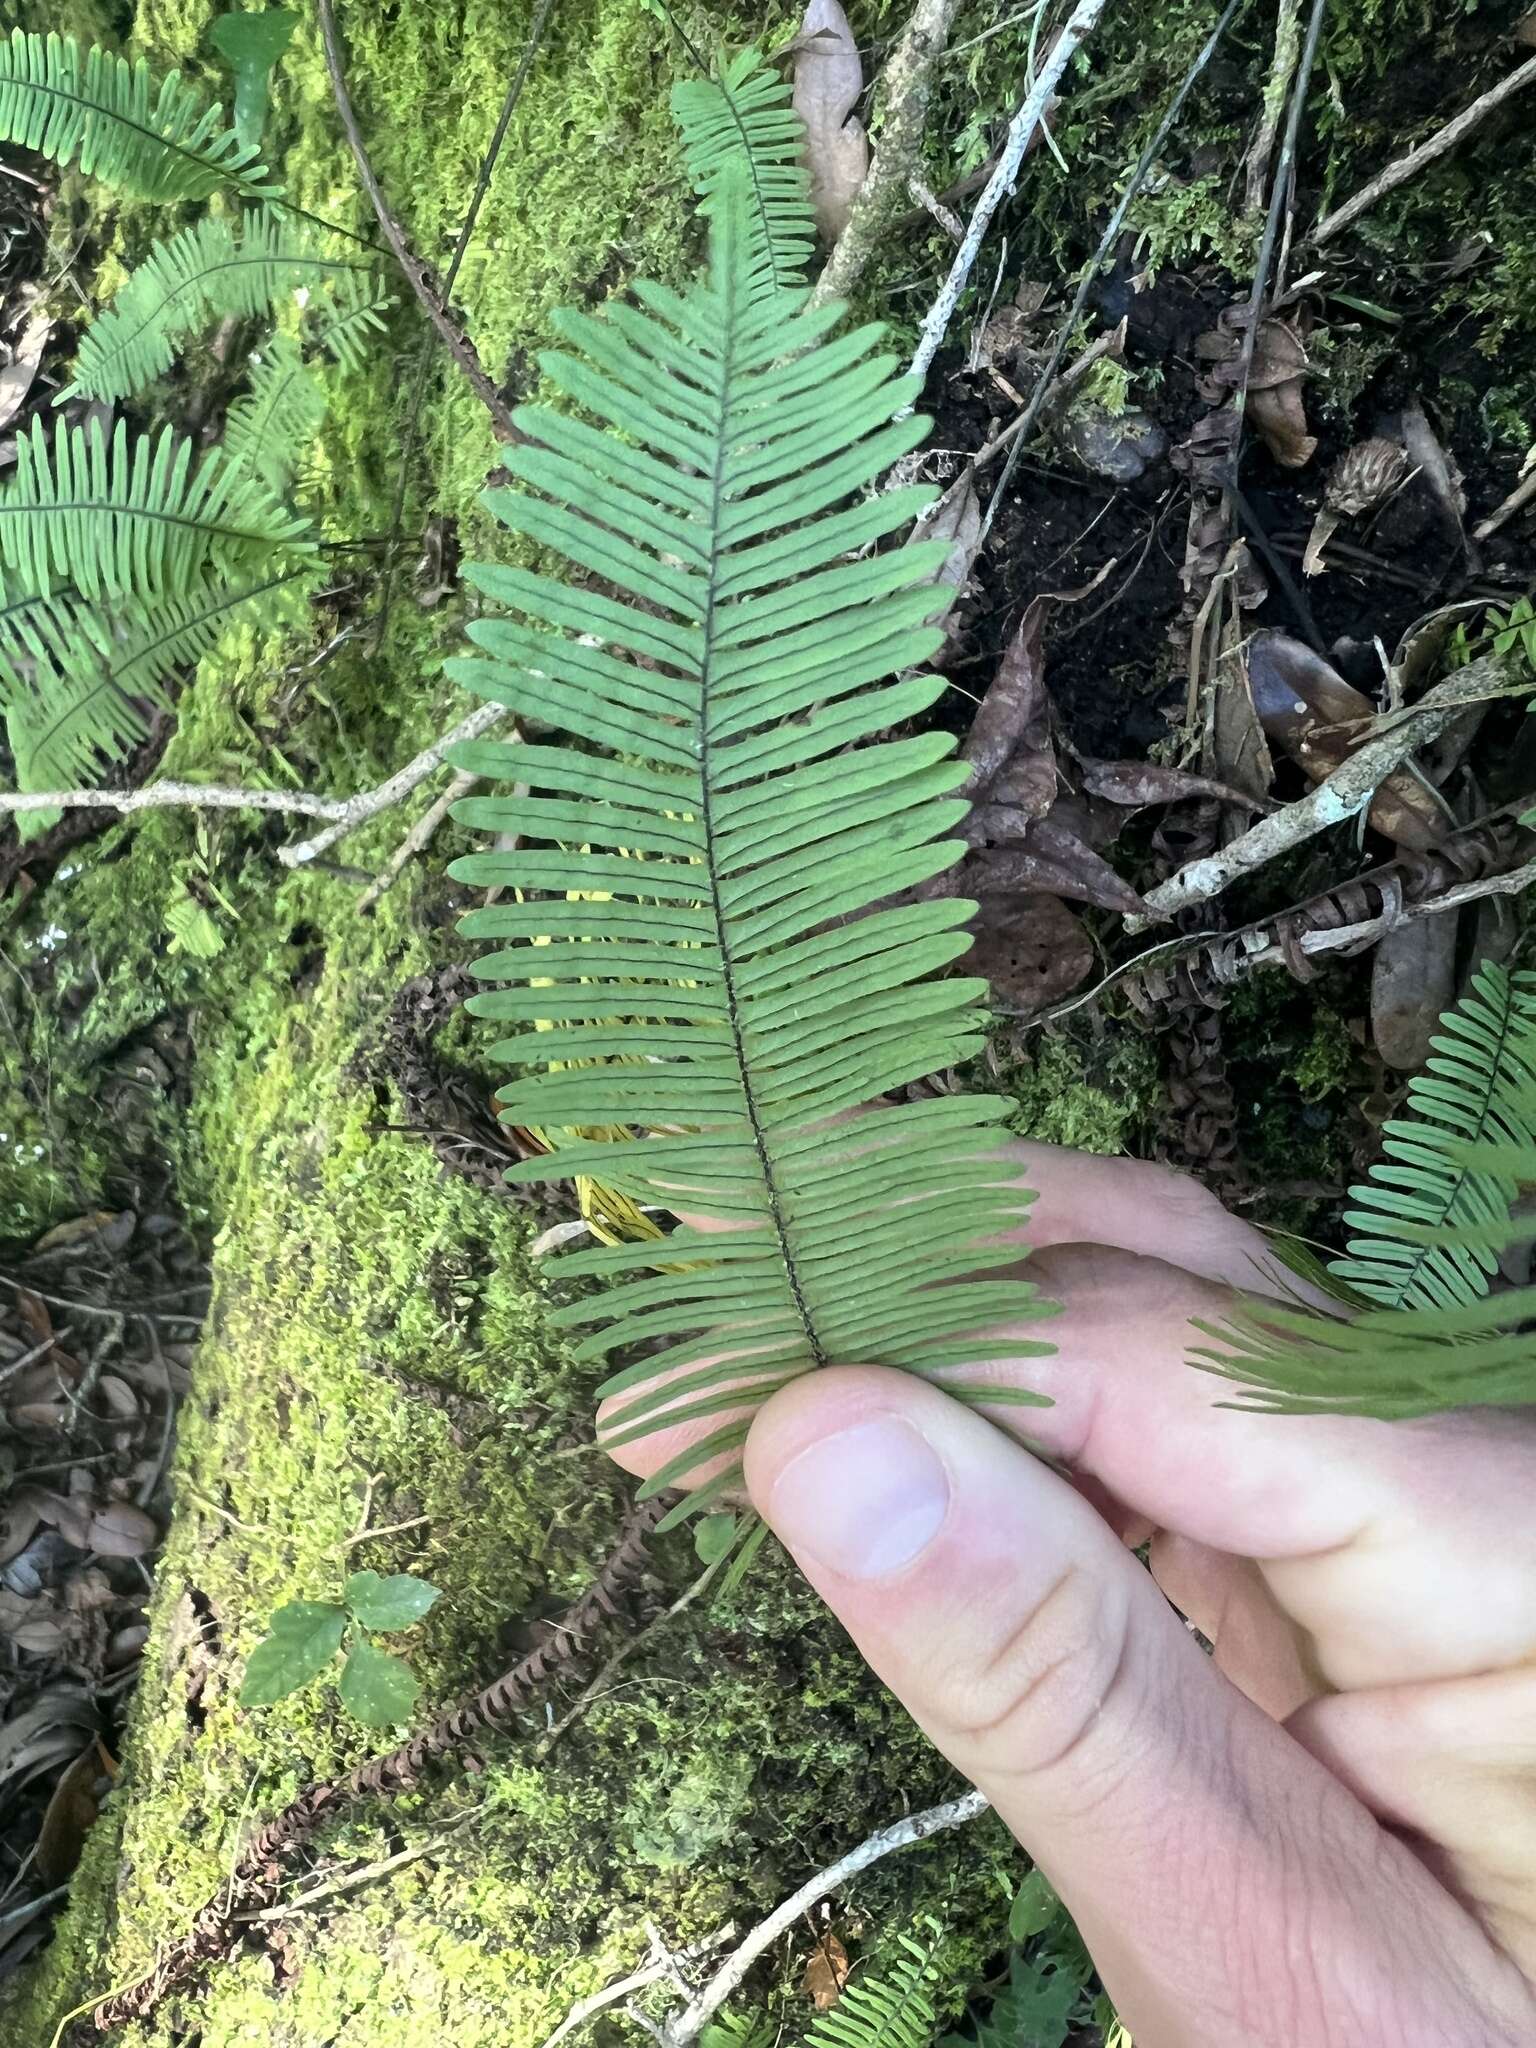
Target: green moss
1091,1095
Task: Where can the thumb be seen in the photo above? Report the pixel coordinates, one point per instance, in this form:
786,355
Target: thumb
1231,1890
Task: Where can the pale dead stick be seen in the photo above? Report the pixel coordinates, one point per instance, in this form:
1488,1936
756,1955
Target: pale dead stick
685,2029
1346,792
1517,500
344,814
1020,133
652,1973
1438,145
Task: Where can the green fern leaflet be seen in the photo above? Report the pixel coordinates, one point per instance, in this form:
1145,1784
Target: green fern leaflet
218,269
1438,1210
712,928
152,138
742,126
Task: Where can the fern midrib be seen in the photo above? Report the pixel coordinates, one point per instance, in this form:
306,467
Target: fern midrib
1464,1173
722,936
110,507
218,172
322,264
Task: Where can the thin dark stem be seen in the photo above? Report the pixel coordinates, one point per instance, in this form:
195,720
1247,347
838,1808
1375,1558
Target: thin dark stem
509,105
460,347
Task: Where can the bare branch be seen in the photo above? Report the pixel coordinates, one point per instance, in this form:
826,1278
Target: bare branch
1438,145
160,796
1023,128
459,344
685,2029
357,810
1347,791
653,1972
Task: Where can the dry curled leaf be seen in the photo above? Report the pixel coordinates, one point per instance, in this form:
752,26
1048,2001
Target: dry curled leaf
1053,860
70,1815
826,1973
1012,725
828,81
1306,706
1275,394
1134,783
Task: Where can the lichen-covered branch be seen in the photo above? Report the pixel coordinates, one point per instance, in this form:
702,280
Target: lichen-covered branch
1021,132
683,2031
1344,795
907,83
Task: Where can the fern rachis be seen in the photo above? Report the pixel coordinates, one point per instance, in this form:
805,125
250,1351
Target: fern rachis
736,975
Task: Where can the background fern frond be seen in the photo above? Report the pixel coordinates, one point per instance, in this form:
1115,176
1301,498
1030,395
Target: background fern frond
757,973
73,682
1439,1207
1426,1208
150,137
742,124
134,518
894,2009
267,429
355,312
217,269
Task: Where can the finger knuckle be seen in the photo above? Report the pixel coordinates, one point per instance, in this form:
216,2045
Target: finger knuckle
1039,1690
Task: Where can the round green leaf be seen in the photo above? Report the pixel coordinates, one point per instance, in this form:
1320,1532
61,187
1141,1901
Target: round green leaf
713,1537
388,1603
376,1687
1035,1907
305,1637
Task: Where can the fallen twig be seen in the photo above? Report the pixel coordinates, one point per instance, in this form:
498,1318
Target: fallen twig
255,1875
619,1659
1517,501
685,2029
1438,145
161,796
1346,792
416,840
651,1973
460,347
1022,129
907,81
356,810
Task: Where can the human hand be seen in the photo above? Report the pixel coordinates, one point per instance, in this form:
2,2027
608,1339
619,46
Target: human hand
1323,1836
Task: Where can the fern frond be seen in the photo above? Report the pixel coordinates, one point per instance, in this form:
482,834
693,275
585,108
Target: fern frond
283,409
742,123
893,2010
737,2030
133,519
1441,1205
358,303
1427,1204
742,971
217,269
80,709
152,138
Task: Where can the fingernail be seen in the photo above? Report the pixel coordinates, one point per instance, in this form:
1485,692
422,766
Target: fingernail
864,1502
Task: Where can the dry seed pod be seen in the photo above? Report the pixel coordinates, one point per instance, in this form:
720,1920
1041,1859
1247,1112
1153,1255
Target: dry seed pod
1359,481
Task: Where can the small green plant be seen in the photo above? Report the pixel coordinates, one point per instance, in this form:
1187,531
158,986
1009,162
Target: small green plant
376,1687
1048,1990
251,42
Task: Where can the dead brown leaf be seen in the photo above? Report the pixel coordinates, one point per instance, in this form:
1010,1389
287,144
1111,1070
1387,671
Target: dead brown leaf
828,81
1413,979
1053,860
826,1973
119,1530
1032,949
1012,725
69,1816
1134,783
